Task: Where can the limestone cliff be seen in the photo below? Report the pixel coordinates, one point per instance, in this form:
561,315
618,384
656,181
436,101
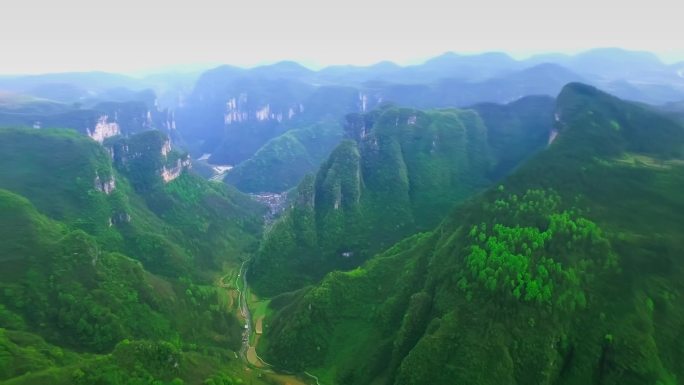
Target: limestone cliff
104,128
147,158
105,185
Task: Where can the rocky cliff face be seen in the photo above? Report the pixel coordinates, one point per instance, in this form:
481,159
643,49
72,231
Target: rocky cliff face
173,169
119,218
166,147
238,110
147,158
231,116
99,122
170,173
105,185
134,117
103,129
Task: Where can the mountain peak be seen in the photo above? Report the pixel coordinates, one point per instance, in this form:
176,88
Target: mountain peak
614,52
479,57
580,88
608,126
385,65
285,65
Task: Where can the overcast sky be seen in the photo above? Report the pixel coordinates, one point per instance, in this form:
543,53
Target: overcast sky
132,35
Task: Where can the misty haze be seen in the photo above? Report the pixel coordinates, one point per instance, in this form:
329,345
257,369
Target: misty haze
341,193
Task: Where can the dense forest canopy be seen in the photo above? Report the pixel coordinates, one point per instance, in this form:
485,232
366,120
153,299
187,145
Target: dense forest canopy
473,219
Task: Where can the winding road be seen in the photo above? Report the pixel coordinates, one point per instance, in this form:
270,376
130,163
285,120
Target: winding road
244,310
245,348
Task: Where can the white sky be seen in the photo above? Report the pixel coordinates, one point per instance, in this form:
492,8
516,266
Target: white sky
131,35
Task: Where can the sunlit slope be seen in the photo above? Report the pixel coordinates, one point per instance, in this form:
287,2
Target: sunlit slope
399,172
568,272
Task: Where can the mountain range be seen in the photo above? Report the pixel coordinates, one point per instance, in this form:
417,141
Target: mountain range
232,112
474,219
565,272
394,175
106,255
229,113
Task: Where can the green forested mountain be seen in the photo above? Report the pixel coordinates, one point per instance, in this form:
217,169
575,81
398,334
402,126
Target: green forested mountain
232,112
124,114
397,173
452,222
107,261
515,131
567,272
283,161
71,179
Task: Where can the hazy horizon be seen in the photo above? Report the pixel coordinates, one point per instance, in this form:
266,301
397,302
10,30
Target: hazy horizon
200,67
133,37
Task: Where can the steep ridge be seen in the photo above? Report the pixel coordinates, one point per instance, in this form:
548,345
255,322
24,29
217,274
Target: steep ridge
107,266
504,290
515,131
282,162
65,297
102,190
232,112
395,175
101,120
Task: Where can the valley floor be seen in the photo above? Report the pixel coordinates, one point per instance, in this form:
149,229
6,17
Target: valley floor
251,310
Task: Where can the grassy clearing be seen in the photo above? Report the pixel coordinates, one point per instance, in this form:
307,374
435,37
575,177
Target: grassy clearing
260,310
